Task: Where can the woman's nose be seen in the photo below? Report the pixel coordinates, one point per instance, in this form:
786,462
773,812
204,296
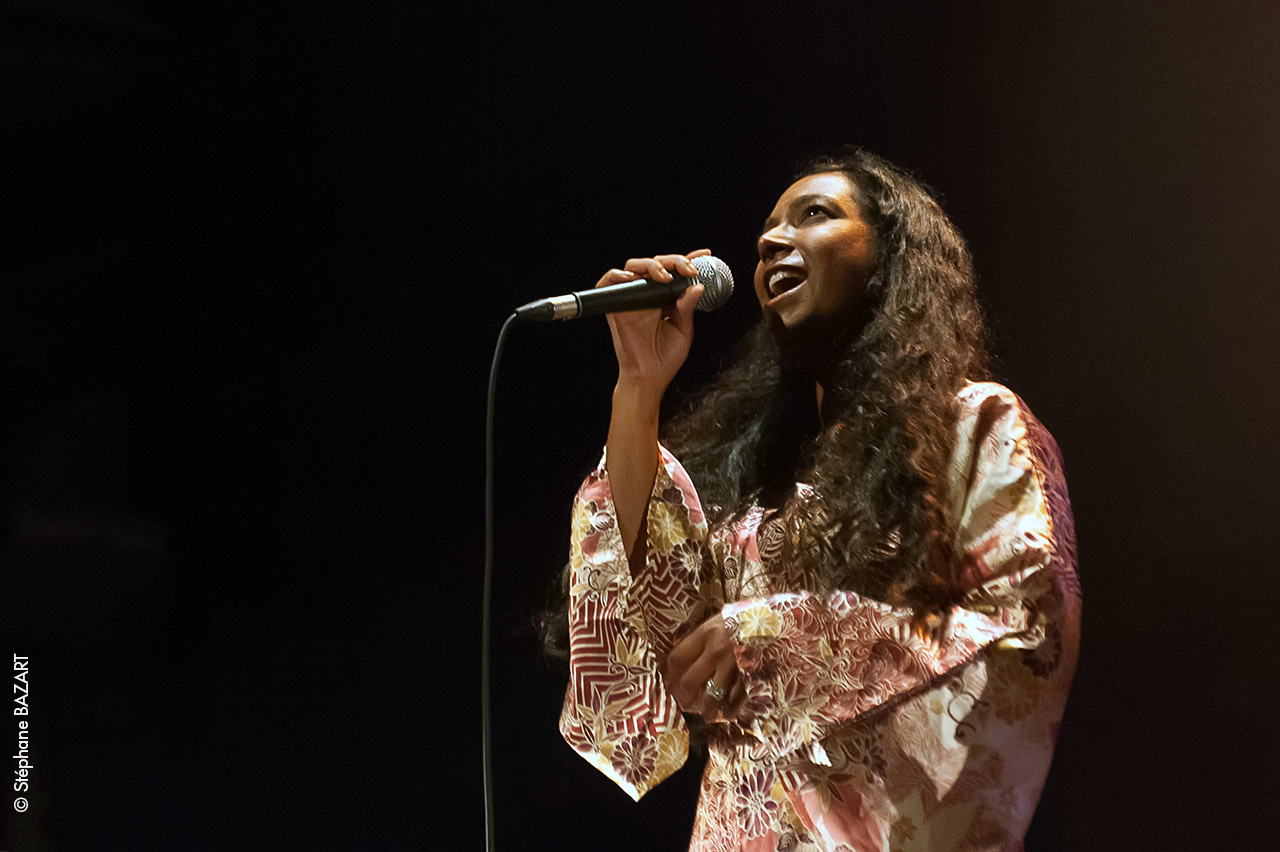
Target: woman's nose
772,243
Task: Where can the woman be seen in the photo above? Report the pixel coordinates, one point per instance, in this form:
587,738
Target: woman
860,571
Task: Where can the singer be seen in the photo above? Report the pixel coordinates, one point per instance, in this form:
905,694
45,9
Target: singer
849,568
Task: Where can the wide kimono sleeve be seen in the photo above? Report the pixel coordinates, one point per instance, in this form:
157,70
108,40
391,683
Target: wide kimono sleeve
617,711
812,662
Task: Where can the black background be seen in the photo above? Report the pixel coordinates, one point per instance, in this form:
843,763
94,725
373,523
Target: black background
254,262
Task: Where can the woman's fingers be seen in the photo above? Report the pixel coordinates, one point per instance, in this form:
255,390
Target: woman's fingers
698,695
705,655
686,671
648,267
616,276
682,313
727,678
660,267
683,656
678,263
735,702
693,695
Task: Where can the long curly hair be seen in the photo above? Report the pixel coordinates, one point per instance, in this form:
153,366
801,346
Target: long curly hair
876,519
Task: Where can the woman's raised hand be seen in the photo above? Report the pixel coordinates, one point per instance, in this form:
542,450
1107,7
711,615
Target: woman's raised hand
652,344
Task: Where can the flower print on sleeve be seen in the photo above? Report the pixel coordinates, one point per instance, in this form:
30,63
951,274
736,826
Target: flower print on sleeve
814,662
617,712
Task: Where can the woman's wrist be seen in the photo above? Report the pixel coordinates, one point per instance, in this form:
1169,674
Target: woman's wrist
638,402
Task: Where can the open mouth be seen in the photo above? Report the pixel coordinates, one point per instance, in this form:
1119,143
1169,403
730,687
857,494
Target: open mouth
783,280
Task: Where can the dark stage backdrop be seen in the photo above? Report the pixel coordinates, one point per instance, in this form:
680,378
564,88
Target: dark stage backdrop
254,261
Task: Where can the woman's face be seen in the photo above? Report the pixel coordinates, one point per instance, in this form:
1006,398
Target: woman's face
816,256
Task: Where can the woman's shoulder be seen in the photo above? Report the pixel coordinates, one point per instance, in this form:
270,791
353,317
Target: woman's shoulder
986,406
974,395
986,410
996,432
993,420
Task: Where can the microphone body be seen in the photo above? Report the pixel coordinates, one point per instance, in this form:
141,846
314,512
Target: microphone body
713,275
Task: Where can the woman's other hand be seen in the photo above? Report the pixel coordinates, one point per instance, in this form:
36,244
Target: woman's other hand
705,655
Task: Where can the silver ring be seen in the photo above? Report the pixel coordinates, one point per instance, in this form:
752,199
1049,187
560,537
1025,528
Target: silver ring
715,692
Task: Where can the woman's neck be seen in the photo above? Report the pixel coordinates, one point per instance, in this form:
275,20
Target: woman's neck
824,379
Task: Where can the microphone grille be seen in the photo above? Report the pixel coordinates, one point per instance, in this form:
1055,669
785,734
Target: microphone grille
717,281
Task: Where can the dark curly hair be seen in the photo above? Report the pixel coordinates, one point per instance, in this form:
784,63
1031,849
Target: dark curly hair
877,521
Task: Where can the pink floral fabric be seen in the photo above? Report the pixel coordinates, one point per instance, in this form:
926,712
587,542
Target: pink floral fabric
873,727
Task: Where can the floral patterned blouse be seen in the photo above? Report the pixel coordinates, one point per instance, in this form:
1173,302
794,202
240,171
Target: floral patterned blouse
873,727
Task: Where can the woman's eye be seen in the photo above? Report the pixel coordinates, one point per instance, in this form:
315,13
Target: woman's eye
815,210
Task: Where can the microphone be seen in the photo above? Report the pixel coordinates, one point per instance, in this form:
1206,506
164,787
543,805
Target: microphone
713,275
